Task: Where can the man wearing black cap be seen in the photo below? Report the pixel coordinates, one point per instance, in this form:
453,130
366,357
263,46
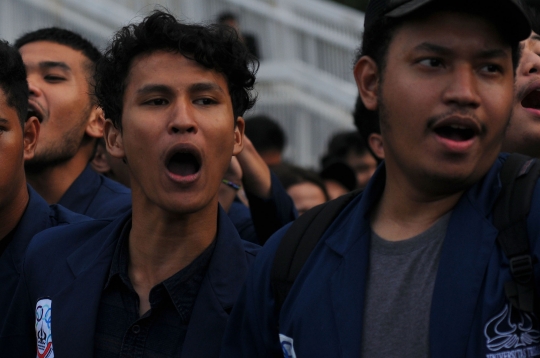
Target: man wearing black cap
411,267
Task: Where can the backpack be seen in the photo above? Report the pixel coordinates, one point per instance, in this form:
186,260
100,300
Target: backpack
519,175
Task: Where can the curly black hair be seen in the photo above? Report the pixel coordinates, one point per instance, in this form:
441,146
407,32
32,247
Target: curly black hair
215,47
13,80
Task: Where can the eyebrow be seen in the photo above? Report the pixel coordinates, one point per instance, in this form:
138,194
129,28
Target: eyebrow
4,121
54,64
205,86
445,51
196,87
535,37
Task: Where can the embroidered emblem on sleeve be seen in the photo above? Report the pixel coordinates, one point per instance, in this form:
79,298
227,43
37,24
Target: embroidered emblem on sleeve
512,332
287,346
43,329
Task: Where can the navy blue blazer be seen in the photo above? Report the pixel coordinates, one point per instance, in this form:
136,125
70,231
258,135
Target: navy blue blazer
37,217
96,196
69,266
322,315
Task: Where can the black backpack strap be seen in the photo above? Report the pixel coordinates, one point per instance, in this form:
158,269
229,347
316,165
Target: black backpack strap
299,241
519,175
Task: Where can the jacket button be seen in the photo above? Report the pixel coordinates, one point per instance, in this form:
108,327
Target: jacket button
136,329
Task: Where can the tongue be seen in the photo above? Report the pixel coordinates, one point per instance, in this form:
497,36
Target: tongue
458,135
532,100
183,165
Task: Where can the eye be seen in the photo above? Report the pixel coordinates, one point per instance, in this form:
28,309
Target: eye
157,102
431,62
205,101
54,78
491,68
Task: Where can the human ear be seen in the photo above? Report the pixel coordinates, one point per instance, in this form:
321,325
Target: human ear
366,74
100,163
94,127
113,140
239,135
30,137
376,144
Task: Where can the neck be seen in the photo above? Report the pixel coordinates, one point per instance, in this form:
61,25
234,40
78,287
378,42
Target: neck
12,212
53,182
162,243
406,210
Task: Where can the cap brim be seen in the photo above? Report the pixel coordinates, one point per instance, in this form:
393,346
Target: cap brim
516,20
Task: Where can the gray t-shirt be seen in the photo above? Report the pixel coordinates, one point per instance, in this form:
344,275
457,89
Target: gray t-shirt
400,284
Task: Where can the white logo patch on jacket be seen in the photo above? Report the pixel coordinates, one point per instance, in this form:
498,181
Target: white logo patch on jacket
512,333
43,329
287,346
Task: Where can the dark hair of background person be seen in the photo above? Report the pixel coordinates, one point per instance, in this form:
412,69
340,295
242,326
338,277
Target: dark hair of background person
265,133
62,37
290,175
215,47
377,38
366,122
13,80
341,144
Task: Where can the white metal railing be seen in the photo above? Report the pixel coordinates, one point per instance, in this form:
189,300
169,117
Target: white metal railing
307,46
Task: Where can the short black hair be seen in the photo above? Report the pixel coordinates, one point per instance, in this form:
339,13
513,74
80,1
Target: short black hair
215,47
341,144
265,133
13,80
377,38
290,175
63,37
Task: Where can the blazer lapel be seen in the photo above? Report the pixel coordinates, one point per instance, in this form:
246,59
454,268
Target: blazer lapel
468,245
348,293
75,308
218,293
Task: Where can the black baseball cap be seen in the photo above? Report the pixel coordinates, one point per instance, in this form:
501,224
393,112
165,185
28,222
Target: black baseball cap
516,21
534,14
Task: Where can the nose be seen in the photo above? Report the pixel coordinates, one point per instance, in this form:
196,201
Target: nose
33,89
183,118
462,88
529,63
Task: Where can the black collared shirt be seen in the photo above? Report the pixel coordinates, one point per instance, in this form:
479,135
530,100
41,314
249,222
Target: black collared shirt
160,332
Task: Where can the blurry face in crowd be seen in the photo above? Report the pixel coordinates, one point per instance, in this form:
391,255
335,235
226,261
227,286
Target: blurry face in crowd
178,132
523,133
17,143
59,97
444,101
305,196
364,166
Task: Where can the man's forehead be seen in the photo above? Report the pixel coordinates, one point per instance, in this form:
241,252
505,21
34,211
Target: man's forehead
147,68
451,28
35,53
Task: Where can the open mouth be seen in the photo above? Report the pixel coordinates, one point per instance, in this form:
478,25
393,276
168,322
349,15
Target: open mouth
33,112
532,100
184,163
455,132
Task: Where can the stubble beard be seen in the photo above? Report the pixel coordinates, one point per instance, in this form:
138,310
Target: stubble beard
57,153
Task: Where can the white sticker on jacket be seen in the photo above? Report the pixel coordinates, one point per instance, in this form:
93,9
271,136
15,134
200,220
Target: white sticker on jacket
287,346
43,329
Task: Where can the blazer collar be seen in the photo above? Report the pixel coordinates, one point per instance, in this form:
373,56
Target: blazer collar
35,219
